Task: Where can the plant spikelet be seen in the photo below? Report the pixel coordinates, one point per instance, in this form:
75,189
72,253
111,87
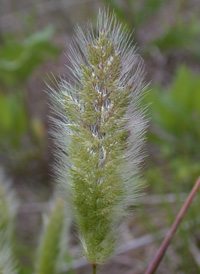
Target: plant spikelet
100,132
8,206
51,250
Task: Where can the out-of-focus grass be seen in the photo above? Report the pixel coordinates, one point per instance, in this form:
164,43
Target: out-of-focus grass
18,59
175,113
22,136
174,135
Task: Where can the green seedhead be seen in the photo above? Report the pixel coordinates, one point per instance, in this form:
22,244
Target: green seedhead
51,251
8,207
100,133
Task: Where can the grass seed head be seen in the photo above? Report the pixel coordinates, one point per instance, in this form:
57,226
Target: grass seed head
100,132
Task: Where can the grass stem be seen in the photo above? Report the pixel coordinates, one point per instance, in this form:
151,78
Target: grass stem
94,267
161,252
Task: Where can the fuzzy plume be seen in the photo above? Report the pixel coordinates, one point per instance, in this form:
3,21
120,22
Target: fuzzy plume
100,132
8,207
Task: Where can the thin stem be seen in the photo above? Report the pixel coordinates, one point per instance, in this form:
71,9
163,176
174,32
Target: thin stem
94,267
157,259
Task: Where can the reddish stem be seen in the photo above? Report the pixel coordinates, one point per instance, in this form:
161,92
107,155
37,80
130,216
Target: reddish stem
94,267
157,259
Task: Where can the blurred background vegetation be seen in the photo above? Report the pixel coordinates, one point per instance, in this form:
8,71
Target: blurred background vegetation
34,37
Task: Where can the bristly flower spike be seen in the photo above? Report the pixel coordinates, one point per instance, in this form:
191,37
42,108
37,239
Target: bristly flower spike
99,132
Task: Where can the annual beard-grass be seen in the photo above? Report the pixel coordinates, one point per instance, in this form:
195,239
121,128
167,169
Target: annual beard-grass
99,131
8,207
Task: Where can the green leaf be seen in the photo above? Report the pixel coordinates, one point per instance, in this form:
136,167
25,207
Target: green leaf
13,119
19,59
176,112
180,36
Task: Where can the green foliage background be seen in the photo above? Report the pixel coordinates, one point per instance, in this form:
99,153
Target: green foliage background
167,34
